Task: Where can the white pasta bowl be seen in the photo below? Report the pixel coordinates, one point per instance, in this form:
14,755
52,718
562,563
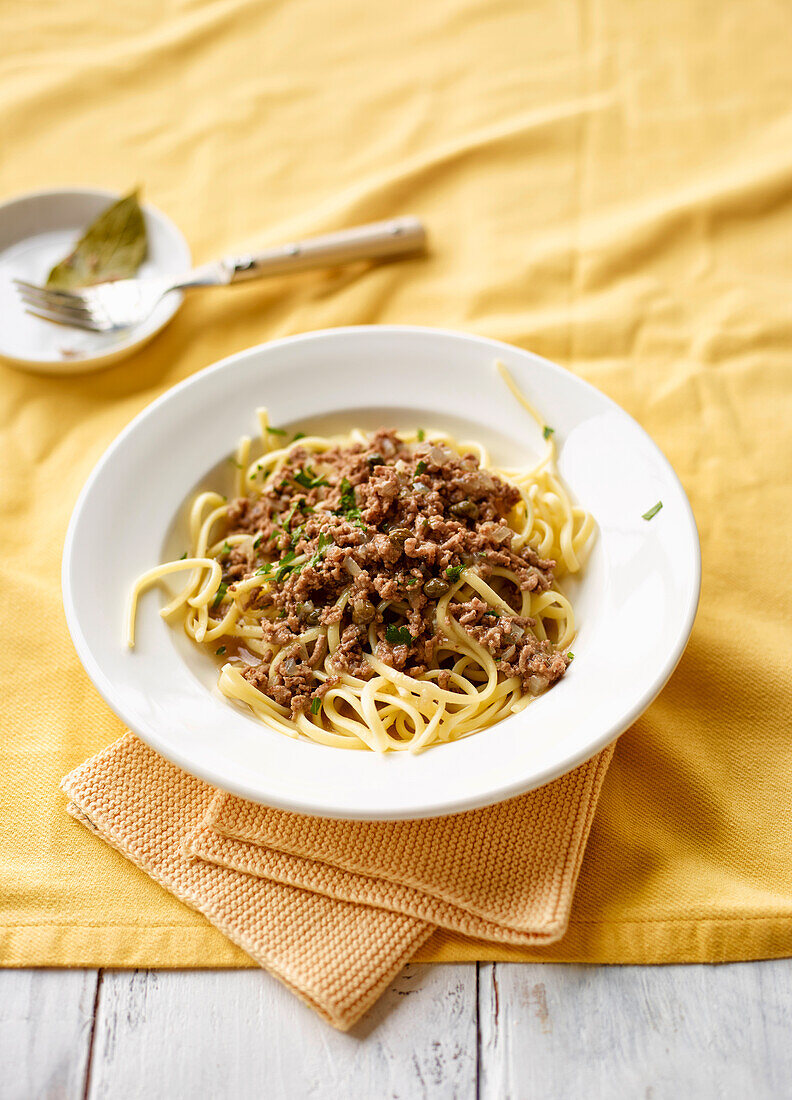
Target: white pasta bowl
634,602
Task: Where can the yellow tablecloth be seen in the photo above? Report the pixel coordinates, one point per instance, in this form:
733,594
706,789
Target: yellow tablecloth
607,183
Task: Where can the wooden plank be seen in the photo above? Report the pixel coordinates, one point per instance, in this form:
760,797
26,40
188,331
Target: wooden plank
657,1033
241,1034
45,1033
551,1031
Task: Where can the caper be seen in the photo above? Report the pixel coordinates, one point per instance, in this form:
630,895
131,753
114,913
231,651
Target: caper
308,613
465,509
363,611
375,460
435,588
399,535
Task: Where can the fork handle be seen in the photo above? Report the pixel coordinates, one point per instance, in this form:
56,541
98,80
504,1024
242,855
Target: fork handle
379,240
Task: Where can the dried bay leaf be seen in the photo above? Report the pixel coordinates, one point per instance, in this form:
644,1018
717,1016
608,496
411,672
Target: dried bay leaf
112,247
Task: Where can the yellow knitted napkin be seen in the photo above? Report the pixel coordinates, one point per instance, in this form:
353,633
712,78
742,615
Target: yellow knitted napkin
335,908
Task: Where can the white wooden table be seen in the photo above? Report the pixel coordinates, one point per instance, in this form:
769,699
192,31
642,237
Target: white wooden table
490,1031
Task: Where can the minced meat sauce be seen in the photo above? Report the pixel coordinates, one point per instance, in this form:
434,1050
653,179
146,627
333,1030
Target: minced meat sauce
390,522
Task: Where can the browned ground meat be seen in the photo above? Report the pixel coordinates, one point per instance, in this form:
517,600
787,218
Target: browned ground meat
517,651
388,521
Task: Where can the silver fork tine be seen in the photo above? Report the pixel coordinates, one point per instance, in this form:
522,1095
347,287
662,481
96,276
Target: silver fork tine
69,301
54,297
48,289
64,319
55,307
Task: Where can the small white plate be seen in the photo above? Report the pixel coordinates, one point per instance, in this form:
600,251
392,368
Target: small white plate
38,230
634,604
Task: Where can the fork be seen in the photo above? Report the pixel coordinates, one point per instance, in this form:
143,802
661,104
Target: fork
108,307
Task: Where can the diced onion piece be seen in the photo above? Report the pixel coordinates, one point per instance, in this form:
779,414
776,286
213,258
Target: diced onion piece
352,566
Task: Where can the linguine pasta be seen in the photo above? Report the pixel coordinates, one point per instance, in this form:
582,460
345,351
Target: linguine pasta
461,687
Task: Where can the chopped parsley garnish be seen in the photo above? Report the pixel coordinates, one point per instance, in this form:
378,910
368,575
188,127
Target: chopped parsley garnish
346,502
571,655
398,635
257,541
285,566
296,534
276,431
547,431
227,548
453,572
653,511
184,555
299,435
419,469
286,521
219,652
264,569
234,462
494,614
221,591
412,580
347,505
321,546
421,435
308,479
316,705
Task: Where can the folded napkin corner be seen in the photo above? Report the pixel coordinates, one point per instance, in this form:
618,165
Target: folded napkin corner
335,908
